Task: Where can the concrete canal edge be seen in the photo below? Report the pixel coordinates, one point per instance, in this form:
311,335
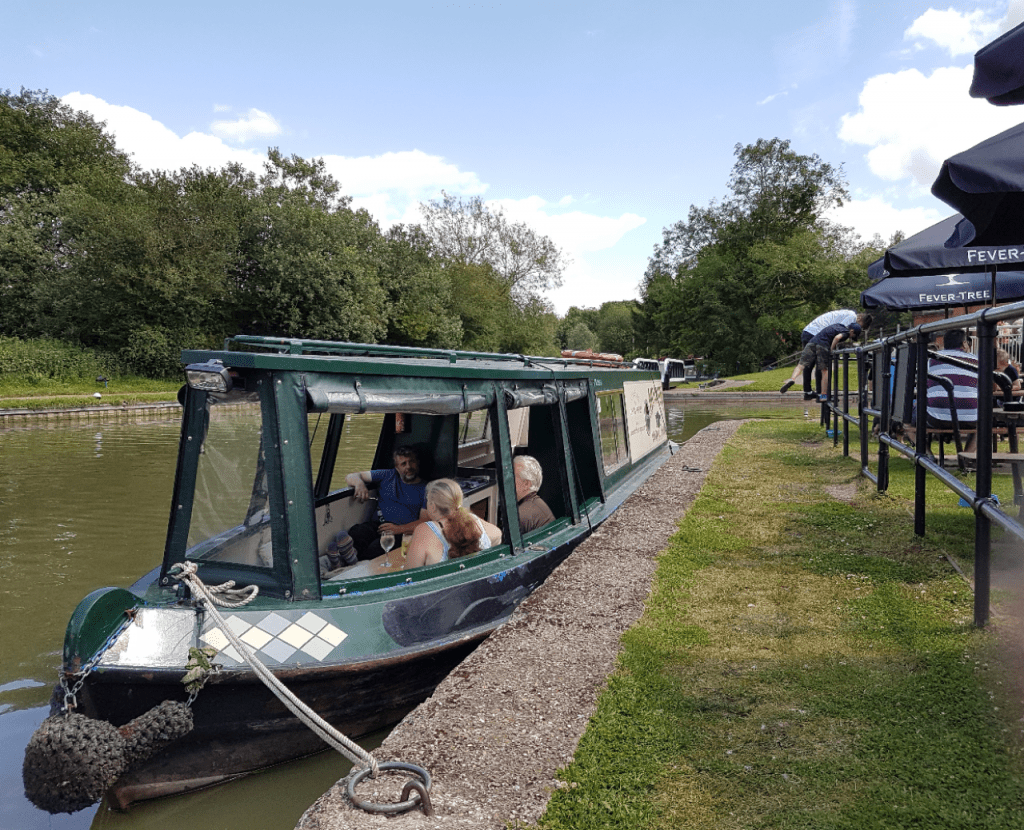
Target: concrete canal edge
497,729
125,411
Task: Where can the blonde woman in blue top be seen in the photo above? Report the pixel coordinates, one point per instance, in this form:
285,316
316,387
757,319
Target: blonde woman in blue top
452,530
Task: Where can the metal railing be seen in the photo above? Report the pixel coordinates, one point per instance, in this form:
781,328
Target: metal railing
874,399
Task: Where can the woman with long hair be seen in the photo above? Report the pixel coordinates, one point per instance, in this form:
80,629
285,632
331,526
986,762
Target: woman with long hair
452,530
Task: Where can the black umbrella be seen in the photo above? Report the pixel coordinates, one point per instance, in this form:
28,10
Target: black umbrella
986,184
943,291
876,270
950,246
999,69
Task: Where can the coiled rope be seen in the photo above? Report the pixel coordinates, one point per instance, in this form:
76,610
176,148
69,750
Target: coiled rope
187,572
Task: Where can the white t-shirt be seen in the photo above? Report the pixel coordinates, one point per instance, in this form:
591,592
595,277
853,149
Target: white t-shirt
830,318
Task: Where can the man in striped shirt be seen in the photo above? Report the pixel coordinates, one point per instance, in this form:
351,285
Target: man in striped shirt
965,387
965,382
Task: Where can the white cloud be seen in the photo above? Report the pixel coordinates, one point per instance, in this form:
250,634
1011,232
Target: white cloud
155,147
589,279
589,284
392,185
874,215
388,185
771,98
960,33
254,124
1014,16
574,231
912,122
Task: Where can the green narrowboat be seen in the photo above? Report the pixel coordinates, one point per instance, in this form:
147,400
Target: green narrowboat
260,505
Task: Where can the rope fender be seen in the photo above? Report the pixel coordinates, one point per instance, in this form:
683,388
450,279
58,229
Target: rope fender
71,759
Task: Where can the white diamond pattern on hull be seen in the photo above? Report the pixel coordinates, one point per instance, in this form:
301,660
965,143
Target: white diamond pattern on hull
277,638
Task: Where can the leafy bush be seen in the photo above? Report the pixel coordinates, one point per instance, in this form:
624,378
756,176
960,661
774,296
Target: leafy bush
155,352
43,360
150,352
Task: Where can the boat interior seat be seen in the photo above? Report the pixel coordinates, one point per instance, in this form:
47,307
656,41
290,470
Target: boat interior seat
476,453
339,511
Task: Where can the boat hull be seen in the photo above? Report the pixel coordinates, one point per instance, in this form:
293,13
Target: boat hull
241,727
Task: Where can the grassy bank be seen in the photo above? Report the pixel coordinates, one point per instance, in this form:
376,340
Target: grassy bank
115,395
49,374
772,380
804,661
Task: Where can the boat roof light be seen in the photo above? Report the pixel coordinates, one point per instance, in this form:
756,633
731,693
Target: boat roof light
211,376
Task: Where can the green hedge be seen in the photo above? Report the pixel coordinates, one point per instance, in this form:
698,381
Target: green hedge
43,360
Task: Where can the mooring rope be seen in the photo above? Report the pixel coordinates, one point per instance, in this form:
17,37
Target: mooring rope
235,597
331,736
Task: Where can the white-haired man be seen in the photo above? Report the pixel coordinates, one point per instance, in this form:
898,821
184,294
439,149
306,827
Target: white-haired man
533,512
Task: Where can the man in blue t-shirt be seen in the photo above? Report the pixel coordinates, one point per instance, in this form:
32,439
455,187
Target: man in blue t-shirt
829,318
401,502
818,352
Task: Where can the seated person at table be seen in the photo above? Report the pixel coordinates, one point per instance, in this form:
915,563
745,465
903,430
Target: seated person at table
533,511
401,502
965,387
1005,365
452,530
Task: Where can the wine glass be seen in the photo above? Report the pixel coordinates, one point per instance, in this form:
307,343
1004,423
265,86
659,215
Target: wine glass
387,541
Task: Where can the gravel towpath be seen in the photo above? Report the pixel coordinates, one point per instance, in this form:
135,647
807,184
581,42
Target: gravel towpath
497,729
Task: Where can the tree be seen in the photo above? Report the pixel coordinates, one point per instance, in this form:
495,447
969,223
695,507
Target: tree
652,322
307,264
47,150
481,303
577,318
605,329
45,145
615,327
581,338
467,232
146,271
740,276
529,328
143,264
420,304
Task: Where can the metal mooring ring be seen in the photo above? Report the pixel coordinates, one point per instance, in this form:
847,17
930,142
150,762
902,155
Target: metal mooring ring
421,796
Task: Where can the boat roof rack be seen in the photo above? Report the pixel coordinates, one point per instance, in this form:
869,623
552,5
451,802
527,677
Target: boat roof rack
299,346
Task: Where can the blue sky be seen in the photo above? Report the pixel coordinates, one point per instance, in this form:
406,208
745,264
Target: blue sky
597,123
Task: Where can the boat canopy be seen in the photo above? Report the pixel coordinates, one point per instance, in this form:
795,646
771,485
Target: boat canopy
346,394
546,395
356,399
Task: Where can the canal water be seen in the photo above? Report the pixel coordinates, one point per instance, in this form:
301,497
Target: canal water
85,505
